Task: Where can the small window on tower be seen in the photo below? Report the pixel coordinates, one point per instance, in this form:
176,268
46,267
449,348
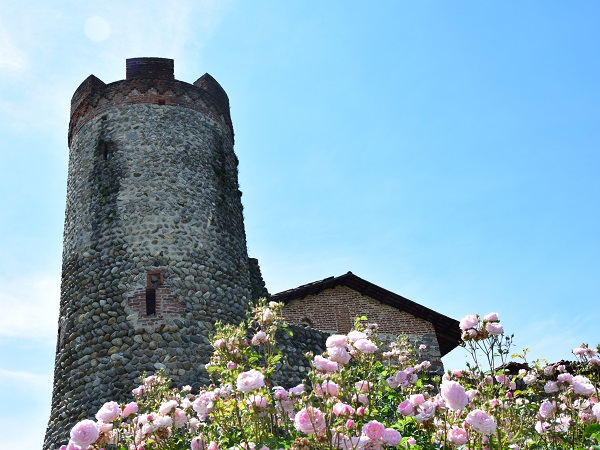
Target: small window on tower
150,302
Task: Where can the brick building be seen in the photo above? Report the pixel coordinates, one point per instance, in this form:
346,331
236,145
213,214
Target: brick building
332,304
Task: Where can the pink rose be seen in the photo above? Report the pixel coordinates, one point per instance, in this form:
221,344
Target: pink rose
297,390
324,364
213,446
130,408
339,355
406,408
310,421
109,412
342,409
167,407
85,433
391,437
279,393
468,322
550,387
365,346
373,429
582,386
541,427
258,401
392,382
547,409
417,399
454,395
425,411
330,388
259,338
197,443
356,335
596,411
363,386
457,436
494,328
481,422
491,317
336,340
250,381
180,418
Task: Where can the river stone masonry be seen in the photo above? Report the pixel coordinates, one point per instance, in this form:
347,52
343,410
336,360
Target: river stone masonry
154,240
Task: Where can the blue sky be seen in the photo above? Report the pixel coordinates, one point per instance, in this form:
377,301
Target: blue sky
444,150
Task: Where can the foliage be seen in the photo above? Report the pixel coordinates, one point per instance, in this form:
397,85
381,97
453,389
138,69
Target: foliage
360,394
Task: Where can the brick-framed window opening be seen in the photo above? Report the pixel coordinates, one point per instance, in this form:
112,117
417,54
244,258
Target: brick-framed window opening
150,301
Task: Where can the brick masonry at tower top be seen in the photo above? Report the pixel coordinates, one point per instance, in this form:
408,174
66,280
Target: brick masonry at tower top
154,241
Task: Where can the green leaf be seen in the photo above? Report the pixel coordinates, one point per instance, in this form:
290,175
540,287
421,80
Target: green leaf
592,429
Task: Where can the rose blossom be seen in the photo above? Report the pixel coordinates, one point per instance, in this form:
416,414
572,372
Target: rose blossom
596,411
417,399
324,364
550,387
250,381
481,421
342,409
180,418
425,411
468,322
363,386
373,429
310,421
130,408
457,436
339,355
454,395
297,390
197,443
391,437
85,433
258,401
565,378
167,407
365,346
336,340
491,317
356,335
329,387
109,412
259,338
547,409
582,386
494,328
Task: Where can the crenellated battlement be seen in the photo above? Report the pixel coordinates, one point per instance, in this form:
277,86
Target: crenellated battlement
148,81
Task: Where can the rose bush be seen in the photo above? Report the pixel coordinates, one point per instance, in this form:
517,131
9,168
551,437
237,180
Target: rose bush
360,394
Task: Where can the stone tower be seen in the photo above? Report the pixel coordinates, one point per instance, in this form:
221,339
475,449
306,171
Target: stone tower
154,241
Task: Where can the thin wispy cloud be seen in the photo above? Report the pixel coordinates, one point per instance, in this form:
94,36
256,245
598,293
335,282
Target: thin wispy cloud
33,304
25,378
11,57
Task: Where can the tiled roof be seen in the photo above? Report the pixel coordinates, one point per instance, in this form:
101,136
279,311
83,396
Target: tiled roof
446,328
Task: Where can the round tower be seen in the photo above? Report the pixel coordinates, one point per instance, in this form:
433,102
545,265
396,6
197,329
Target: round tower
154,242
